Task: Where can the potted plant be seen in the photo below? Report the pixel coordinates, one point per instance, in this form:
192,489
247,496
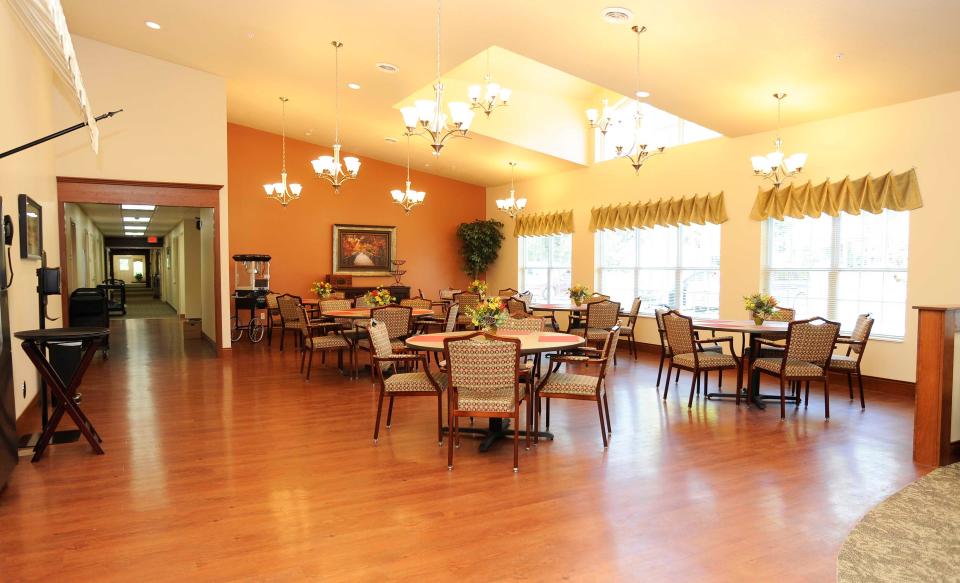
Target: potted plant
478,286
138,277
579,293
379,297
759,305
488,315
479,245
322,289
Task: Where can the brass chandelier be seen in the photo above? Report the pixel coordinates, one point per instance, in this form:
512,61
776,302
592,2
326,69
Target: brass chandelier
329,167
638,152
407,199
512,205
281,191
773,166
494,95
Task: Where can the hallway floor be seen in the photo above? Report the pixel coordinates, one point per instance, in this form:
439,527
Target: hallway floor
142,304
235,468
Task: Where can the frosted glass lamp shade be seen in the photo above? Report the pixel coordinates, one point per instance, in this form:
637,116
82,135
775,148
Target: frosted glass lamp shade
353,165
473,92
505,94
396,195
425,109
295,189
409,116
268,188
760,164
592,115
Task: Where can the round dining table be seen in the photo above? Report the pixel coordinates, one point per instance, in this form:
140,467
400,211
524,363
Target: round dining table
364,313
531,343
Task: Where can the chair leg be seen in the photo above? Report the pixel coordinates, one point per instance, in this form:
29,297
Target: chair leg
283,335
863,404
783,400
694,382
666,387
376,428
720,380
527,420
806,397
548,413
516,438
660,369
826,396
677,380
440,419
303,357
606,411
390,412
309,364
850,384
450,436
603,429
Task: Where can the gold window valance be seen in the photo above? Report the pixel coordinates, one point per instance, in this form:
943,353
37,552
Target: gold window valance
544,224
709,208
895,192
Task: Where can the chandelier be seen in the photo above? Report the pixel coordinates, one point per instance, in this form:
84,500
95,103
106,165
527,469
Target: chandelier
603,122
281,191
493,92
638,152
512,205
426,118
774,166
329,167
407,199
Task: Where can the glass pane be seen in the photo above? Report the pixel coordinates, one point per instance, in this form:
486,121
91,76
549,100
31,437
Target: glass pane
559,284
700,293
561,247
805,291
617,248
535,252
535,280
618,284
658,247
799,243
874,241
700,246
657,287
883,294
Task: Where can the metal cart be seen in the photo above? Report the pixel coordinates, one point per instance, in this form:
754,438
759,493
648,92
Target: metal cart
251,279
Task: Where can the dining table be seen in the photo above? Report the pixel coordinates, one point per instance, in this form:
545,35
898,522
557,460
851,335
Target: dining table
749,332
531,343
578,309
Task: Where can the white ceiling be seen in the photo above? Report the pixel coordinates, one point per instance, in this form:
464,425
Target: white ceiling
109,218
714,63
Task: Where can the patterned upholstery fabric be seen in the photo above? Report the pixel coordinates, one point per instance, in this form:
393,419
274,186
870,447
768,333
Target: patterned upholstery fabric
507,292
380,337
289,309
635,308
570,384
466,300
603,314
598,333
795,368
812,342
397,319
861,331
362,303
337,296
452,312
413,382
417,303
395,344
329,342
516,307
782,315
531,324
843,362
706,359
329,305
272,301
610,343
483,371
679,334
448,294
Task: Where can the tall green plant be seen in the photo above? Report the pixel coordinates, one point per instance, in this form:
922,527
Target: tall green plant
480,243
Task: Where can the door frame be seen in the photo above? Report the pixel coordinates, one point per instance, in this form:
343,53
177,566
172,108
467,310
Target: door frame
96,190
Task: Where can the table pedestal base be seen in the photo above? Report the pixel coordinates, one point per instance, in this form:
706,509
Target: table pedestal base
499,429
758,399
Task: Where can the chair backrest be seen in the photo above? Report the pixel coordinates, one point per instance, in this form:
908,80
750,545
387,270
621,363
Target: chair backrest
303,320
609,347
379,338
678,330
337,296
603,314
782,315
417,303
466,299
289,307
450,323
363,303
516,307
272,302
597,297
529,324
483,367
861,332
448,294
333,305
507,292
634,311
396,318
661,330
812,340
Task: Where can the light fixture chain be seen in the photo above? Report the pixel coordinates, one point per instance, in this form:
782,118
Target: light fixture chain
283,134
336,99
408,157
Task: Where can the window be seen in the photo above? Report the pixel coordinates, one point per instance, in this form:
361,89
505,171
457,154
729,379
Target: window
124,264
657,128
671,266
545,267
839,267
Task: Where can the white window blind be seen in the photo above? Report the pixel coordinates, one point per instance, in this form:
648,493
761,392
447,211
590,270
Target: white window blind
839,267
671,266
544,267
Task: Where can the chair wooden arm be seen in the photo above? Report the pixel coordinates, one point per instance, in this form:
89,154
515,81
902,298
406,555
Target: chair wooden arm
399,357
851,341
715,340
575,359
769,343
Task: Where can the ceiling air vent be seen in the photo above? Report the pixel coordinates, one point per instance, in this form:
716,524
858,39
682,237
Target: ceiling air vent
617,15
388,67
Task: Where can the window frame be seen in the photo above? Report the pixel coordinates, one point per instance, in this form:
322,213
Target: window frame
549,268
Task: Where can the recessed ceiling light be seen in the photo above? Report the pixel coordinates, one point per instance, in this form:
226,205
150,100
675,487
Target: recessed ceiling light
642,94
388,67
353,85
136,219
391,139
152,25
135,227
840,56
138,207
129,234
617,15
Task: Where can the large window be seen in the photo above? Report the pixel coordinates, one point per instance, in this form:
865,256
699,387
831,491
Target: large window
839,267
665,266
545,267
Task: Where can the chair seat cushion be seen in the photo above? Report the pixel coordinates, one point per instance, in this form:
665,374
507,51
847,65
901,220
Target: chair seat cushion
413,382
795,368
707,359
395,343
486,404
569,384
843,363
329,342
597,333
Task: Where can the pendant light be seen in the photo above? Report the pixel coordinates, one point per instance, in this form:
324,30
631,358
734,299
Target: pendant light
281,191
407,199
329,167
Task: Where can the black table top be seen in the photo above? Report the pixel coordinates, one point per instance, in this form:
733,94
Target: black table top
62,334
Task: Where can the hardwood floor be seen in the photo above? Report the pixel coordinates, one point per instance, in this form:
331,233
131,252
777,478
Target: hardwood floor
237,469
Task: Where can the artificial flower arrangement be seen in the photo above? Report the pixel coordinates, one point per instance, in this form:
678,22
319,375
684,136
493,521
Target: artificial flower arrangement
489,314
759,305
322,288
477,286
379,297
579,293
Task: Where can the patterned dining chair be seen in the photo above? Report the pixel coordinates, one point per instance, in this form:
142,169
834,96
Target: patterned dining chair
557,385
507,292
321,337
467,301
419,383
628,330
397,320
531,324
806,357
781,315
289,306
274,319
849,363
517,308
419,304
687,354
484,372
601,317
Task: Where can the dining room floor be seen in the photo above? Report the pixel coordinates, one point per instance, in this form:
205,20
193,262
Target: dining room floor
235,468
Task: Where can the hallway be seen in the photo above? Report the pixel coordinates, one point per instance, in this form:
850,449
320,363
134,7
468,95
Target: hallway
142,304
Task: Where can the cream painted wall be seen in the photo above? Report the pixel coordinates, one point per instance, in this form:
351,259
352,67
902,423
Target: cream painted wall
190,259
920,134
91,274
173,128
26,87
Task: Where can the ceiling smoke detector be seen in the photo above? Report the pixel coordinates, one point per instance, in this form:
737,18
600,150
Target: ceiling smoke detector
617,15
388,68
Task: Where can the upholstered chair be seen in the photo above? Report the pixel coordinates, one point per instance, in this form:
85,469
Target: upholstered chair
321,337
289,307
849,363
687,354
398,321
467,301
274,319
627,330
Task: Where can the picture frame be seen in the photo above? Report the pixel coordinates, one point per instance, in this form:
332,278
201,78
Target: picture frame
364,249
31,227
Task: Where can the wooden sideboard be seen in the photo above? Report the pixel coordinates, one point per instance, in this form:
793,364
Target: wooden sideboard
401,292
938,384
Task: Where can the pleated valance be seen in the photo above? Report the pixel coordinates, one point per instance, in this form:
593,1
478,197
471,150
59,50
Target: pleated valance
709,208
897,193
543,224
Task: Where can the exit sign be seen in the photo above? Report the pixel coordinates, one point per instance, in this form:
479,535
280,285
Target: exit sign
151,239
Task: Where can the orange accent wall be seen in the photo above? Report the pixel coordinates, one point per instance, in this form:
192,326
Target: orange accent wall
299,238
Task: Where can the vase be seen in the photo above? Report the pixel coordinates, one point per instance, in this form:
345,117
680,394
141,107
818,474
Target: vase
758,319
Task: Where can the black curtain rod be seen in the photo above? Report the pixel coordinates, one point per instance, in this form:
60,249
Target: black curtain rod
56,135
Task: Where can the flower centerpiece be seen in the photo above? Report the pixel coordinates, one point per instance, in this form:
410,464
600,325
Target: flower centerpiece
322,288
379,297
759,305
579,293
489,314
478,286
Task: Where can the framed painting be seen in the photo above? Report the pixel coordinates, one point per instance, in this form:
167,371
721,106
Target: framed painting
31,228
363,249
